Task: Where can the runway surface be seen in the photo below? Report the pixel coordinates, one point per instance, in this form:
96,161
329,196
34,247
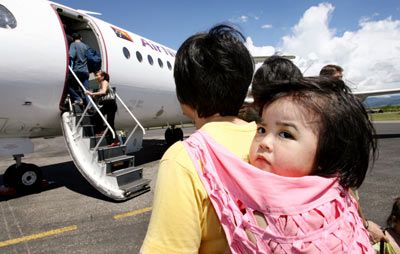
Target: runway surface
72,217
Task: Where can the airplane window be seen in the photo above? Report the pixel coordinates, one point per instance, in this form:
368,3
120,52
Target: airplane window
7,19
160,63
169,65
127,54
139,56
150,59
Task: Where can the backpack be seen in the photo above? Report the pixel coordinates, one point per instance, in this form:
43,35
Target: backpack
93,60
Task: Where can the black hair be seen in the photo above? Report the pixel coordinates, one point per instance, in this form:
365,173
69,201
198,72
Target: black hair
395,212
275,68
213,71
76,36
329,70
104,74
346,139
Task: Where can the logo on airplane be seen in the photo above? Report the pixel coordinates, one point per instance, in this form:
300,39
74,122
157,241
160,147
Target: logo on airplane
122,34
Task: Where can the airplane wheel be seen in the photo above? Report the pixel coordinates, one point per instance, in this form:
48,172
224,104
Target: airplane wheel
25,178
9,176
173,135
169,136
178,134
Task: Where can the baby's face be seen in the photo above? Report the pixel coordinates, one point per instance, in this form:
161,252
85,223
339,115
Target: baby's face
286,139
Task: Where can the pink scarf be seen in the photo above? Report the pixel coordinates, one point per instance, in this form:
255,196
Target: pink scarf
310,214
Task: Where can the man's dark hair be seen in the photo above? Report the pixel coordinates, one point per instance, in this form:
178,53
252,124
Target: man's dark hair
275,68
213,71
76,36
346,139
329,70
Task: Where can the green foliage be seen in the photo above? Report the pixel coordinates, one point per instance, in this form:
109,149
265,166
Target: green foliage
390,108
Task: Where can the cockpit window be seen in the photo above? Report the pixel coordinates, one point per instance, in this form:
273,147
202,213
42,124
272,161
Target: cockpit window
7,19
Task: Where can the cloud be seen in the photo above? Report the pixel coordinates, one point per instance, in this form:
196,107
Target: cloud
241,19
368,18
244,18
267,26
259,51
369,55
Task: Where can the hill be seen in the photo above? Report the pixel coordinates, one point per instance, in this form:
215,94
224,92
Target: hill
378,101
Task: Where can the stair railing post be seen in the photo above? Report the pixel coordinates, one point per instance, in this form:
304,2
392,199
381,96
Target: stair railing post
84,112
101,139
130,134
134,118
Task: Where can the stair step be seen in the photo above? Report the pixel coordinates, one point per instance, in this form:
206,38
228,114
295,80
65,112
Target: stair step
94,140
127,175
87,119
110,152
136,188
77,108
88,130
117,163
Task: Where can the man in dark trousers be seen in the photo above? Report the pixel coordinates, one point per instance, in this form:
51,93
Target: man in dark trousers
78,58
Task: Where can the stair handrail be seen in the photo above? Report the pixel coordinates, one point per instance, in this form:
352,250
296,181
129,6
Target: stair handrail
134,118
94,105
69,103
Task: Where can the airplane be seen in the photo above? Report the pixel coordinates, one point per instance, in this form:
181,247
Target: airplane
34,71
34,102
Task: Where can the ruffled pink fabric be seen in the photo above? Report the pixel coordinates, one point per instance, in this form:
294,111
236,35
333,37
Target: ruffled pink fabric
308,214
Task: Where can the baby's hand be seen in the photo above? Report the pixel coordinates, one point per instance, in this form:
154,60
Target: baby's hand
261,222
375,233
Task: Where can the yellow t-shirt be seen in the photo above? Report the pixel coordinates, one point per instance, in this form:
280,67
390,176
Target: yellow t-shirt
183,219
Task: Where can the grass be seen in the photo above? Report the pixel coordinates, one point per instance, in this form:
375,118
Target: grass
386,116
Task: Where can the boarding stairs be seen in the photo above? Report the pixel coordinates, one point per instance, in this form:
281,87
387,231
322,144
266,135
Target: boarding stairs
108,169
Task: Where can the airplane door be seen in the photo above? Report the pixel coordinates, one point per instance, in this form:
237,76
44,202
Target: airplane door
73,21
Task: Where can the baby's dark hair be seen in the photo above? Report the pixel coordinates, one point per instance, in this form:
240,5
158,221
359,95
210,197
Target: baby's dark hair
395,213
346,139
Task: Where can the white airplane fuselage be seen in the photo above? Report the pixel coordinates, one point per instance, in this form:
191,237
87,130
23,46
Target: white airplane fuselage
34,66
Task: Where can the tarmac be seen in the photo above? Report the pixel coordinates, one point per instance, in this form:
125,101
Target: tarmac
70,216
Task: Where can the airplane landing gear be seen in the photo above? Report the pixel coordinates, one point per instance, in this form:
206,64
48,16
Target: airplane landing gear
173,134
23,177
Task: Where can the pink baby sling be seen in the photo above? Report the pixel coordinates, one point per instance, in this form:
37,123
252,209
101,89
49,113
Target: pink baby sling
310,214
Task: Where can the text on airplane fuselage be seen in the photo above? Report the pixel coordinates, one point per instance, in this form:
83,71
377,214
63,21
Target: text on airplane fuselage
158,48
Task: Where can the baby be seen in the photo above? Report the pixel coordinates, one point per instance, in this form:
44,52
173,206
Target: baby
313,127
314,142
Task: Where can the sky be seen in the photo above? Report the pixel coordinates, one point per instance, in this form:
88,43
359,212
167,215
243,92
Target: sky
362,36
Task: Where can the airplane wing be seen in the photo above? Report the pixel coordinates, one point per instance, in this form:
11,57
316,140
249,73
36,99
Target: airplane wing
364,95
261,59
361,95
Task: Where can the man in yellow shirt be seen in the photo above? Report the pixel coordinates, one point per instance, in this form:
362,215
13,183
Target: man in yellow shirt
213,71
